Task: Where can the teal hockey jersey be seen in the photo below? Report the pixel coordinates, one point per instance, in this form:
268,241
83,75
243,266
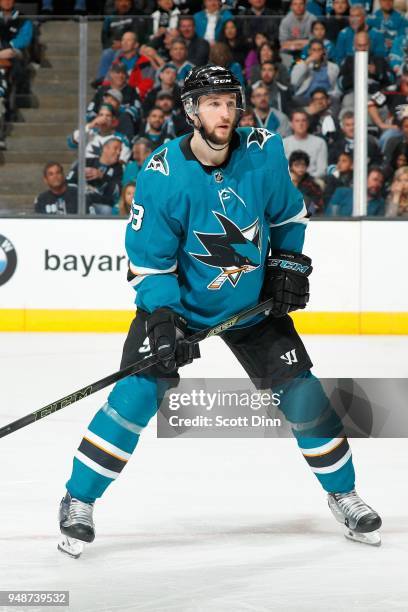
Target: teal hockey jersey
198,236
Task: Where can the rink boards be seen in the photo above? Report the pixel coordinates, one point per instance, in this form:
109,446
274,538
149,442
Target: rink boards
70,275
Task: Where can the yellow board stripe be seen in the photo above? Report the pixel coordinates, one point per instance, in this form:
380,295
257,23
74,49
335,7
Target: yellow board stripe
118,321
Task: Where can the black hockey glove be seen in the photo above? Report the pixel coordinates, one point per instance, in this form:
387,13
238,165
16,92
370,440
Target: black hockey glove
286,281
166,330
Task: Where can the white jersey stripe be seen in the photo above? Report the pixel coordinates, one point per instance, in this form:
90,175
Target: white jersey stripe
95,466
299,218
107,446
322,450
141,270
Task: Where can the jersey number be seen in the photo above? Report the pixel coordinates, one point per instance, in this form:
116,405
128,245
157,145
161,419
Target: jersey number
136,216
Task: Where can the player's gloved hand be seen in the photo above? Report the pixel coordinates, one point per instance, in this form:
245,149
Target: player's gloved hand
166,331
286,281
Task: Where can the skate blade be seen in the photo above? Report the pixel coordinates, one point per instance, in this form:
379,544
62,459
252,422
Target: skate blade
71,546
372,538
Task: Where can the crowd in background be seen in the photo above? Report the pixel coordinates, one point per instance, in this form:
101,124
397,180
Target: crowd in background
296,63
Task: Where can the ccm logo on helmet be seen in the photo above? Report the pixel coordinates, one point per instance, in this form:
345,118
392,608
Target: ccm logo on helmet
222,81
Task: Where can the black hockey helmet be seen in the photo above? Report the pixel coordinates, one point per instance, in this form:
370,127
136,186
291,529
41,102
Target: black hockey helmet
204,80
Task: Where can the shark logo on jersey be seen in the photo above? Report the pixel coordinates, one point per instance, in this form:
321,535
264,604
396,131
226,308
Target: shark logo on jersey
235,252
158,163
259,136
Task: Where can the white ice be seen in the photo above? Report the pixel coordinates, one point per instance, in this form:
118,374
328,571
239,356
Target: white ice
194,524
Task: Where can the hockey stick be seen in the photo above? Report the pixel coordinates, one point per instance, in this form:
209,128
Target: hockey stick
134,368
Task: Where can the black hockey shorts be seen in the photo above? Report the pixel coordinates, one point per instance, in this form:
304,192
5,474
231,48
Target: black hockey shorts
269,351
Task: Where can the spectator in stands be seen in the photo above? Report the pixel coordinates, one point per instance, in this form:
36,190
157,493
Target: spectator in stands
345,142
127,123
319,33
60,198
248,118
100,130
268,53
266,116
312,193
197,48
379,71
167,82
141,149
294,30
47,7
314,146
252,59
103,176
338,19
279,95
253,23
126,199
161,45
16,34
122,20
188,7
398,54
388,107
178,57
130,99
220,55
154,128
397,200
139,69
322,117
345,39
399,157
157,51
341,202
316,7
388,21
165,17
314,73
401,6
175,123
396,144
341,175
232,36
210,20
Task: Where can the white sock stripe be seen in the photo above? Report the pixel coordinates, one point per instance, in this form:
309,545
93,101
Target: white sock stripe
107,446
111,412
333,468
95,466
323,449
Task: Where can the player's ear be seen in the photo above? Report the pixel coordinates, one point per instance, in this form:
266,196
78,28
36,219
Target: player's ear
189,108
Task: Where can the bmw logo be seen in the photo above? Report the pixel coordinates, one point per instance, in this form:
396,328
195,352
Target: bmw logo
8,260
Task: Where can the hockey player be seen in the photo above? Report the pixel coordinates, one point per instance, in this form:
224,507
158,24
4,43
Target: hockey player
208,208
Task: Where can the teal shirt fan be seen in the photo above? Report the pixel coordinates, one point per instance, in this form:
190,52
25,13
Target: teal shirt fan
198,236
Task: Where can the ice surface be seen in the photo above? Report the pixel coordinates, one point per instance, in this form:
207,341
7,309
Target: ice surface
194,525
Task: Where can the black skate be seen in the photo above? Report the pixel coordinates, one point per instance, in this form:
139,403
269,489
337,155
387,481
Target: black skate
360,520
76,524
